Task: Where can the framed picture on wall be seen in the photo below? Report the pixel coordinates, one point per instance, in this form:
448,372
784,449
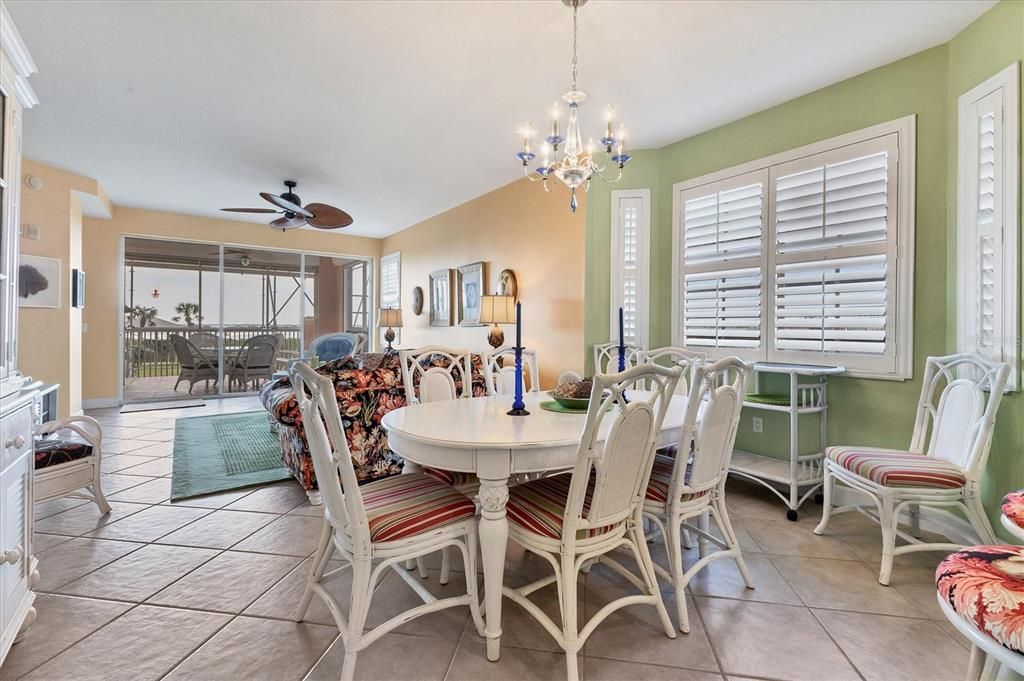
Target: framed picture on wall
38,281
471,287
441,298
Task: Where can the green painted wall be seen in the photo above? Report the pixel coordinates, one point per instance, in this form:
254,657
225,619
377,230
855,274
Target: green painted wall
984,48
870,412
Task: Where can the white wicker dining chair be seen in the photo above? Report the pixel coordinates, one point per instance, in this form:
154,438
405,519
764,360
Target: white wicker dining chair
688,359
426,382
941,469
500,368
579,517
376,526
680,490
606,357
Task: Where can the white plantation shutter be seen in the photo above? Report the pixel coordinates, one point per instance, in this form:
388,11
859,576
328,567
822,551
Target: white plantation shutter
719,248
832,305
987,227
629,264
803,257
391,284
723,309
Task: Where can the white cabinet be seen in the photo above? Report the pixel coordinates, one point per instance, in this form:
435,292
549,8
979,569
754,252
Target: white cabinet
17,564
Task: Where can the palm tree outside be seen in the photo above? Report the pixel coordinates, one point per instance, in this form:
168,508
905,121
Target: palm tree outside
189,312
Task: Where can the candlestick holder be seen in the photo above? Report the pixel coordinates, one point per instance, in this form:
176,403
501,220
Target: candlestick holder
518,405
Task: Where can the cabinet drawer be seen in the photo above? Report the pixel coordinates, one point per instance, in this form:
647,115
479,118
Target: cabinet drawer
15,436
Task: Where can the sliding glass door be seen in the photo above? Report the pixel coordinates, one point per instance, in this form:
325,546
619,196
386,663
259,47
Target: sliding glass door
204,319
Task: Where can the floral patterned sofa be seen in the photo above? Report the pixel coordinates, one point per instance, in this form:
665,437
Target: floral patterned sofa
368,386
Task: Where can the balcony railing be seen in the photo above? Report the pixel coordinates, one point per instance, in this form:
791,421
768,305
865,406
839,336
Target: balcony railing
149,353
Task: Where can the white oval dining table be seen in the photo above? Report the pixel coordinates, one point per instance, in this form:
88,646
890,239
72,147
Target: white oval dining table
478,436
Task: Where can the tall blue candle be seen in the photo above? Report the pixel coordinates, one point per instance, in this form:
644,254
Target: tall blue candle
622,342
518,405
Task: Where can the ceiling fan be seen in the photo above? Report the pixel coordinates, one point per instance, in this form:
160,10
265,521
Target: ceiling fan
319,215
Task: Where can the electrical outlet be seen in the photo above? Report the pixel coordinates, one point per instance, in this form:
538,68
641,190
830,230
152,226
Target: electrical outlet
758,424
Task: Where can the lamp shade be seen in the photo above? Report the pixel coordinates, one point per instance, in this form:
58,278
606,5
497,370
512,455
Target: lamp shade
391,317
497,310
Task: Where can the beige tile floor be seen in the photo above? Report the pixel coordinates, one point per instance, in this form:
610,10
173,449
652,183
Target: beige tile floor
204,589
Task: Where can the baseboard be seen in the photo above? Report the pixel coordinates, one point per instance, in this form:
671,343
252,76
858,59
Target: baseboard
101,403
936,520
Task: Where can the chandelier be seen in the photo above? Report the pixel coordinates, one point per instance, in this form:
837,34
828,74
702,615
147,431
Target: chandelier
565,156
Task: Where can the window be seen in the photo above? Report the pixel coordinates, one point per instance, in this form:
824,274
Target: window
356,298
987,223
802,257
630,255
391,285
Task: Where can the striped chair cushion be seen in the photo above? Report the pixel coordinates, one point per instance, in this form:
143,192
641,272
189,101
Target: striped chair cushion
453,478
899,469
405,505
539,506
984,585
661,480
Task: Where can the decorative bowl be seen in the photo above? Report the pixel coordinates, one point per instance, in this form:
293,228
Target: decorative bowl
572,402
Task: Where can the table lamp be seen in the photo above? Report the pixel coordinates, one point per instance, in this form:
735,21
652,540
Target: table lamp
496,310
391,318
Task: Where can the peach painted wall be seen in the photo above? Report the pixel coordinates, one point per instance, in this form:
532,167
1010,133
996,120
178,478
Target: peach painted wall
518,227
101,240
49,339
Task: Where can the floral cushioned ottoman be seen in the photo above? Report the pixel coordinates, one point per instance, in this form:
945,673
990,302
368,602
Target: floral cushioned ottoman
368,386
1013,507
985,585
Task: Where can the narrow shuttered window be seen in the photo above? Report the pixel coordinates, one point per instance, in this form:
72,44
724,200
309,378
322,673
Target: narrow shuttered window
630,255
988,284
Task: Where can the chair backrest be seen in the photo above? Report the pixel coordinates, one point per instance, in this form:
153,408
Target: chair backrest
204,340
185,350
500,368
328,447
712,418
434,373
687,359
954,419
332,346
621,461
606,357
258,352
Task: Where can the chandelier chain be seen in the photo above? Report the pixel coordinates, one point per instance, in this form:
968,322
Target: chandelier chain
575,31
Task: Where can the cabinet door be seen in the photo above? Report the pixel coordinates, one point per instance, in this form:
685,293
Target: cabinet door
14,495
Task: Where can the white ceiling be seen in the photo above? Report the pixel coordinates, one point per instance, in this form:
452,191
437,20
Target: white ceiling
396,111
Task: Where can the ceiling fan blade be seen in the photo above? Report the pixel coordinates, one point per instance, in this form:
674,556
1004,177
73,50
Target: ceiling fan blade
287,205
288,223
250,210
327,217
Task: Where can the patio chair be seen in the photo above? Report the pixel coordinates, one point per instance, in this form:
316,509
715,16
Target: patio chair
254,362
195,365
206,341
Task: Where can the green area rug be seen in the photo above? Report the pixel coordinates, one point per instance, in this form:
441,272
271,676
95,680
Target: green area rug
224,452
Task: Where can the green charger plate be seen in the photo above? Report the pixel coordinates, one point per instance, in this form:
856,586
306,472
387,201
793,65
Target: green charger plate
551,405
776,400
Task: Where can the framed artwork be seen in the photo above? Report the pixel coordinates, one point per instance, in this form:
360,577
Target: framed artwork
38,281
77,288
471,287
441,298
